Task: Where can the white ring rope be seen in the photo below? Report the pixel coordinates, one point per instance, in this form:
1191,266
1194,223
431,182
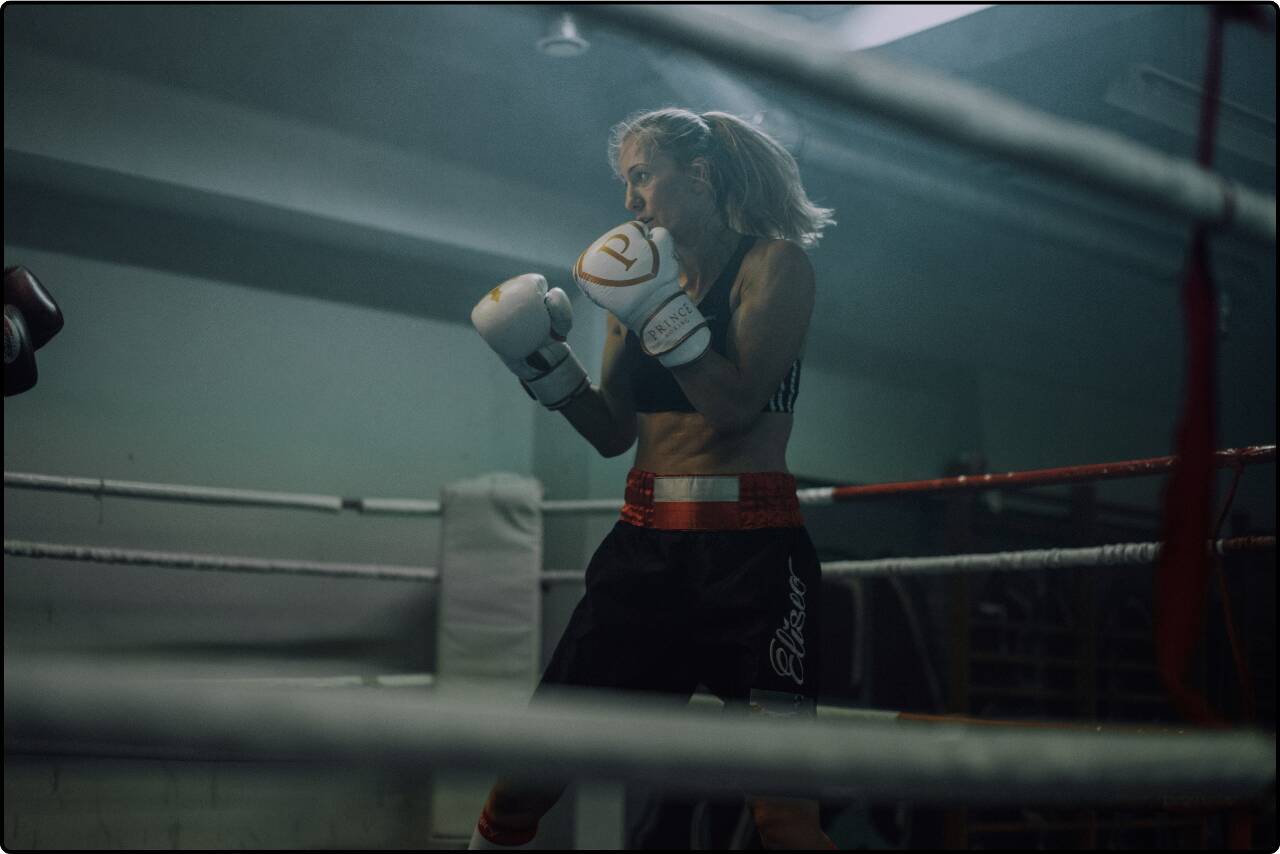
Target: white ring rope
168,492
255,498
382,680
1117,554
393,506
219,563
562,576
822,495
582,505
780,47
873,760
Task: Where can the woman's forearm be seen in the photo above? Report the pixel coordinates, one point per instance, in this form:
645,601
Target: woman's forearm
714,386
591,416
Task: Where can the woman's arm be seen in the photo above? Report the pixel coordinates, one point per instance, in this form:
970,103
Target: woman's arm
766,333
605,415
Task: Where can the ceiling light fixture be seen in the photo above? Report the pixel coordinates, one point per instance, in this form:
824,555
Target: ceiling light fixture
562,40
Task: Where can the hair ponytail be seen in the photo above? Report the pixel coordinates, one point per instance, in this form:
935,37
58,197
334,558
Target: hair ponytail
756,181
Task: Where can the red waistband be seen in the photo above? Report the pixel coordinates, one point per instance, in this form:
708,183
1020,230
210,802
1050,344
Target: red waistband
711,502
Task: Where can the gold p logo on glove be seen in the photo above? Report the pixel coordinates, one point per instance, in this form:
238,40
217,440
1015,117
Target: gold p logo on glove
609,261
615,254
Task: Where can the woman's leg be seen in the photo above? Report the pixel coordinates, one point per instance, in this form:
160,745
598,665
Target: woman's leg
770,660
512,811
624,636
789,823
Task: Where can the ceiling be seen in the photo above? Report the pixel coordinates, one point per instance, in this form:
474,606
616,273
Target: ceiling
941,256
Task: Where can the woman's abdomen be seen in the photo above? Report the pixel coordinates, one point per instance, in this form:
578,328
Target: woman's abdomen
684,443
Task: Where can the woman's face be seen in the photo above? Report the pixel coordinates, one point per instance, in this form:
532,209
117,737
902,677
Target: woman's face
659,192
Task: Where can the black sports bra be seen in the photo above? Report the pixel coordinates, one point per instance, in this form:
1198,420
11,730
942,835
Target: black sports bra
656,390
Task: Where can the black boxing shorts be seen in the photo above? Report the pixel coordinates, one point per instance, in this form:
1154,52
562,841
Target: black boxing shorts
708,580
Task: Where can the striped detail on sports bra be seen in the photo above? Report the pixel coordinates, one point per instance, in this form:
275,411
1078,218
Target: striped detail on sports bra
784,399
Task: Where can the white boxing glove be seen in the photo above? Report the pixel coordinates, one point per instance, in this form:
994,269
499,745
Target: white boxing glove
632,272
526,325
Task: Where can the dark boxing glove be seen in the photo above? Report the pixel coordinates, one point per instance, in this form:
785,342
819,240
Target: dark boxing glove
31,318
19,355
24,292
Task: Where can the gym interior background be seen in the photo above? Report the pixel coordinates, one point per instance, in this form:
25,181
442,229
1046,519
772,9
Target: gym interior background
266,226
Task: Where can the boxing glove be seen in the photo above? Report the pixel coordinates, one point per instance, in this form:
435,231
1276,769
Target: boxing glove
24,292
633,273
526,324
19,355
31,318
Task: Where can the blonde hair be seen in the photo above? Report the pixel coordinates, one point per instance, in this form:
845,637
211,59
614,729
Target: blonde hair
755,180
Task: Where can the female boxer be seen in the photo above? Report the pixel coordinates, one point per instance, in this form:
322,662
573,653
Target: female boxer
709,577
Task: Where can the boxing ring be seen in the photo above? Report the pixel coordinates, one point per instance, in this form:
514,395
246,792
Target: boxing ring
844,753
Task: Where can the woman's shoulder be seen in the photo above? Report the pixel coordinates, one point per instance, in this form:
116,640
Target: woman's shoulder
777,259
